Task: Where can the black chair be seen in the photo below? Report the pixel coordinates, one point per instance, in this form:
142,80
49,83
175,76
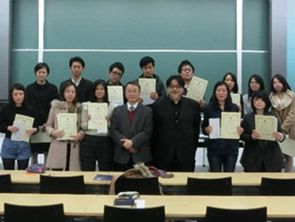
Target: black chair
148,185
200,186
118,214
50,213
277,187
5,183
62,185
236,215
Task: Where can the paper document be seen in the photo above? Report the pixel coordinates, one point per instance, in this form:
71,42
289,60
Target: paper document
23,123
230,121
266,126
215,124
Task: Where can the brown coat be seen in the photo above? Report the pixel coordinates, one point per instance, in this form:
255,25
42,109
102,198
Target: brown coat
285,110
58,149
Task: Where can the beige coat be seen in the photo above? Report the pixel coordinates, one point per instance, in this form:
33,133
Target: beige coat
58,149
285,110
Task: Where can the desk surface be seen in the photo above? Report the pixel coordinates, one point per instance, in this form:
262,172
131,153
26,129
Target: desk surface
175,206
179,179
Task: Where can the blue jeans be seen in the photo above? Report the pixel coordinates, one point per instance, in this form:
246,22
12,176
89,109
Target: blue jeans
222,162
18,150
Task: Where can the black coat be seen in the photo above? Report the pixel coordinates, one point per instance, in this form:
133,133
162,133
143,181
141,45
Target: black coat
40,97
258,152
169,138
219,146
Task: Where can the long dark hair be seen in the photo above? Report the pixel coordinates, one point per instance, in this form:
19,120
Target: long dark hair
214,100
66,85
234,79
17,86
259,80
97,83
282,80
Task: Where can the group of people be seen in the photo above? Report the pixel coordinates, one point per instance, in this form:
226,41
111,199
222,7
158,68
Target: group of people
164,133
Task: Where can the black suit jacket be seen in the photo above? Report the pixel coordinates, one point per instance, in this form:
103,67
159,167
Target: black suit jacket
139,132
258,152
170,139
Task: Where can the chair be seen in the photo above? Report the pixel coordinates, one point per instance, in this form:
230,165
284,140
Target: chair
49,213
277,187
200,186
62,185
235,215
5,183
148,185
118,214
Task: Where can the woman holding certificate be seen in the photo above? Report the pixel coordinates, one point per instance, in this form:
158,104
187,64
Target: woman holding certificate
283,103
97,146
262,152
63,125
223,143
18,123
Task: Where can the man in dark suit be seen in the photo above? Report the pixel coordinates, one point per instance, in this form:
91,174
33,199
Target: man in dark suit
84,86
176,122
131,129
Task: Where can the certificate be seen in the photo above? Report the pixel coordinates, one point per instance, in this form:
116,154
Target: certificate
115,95
68,123
236,98
288,146
266,126
147,86
229,123
98,113
23,123
197,88
215,124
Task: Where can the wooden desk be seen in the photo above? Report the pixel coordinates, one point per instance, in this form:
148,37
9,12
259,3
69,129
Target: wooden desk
175,184
179,179
74,205
175,206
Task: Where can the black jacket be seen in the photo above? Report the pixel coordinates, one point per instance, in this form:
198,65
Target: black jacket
219,146
40,97
258,152
175,137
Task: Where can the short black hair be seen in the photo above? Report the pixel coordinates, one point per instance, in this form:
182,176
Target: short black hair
76,59
41,65
258,79
185,63
117,65
234,78
282,80
17,86
261,95
146,60
66,85
104,84
177,78
133,83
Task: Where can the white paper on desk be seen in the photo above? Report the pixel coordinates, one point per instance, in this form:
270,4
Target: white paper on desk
215,124
288,146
